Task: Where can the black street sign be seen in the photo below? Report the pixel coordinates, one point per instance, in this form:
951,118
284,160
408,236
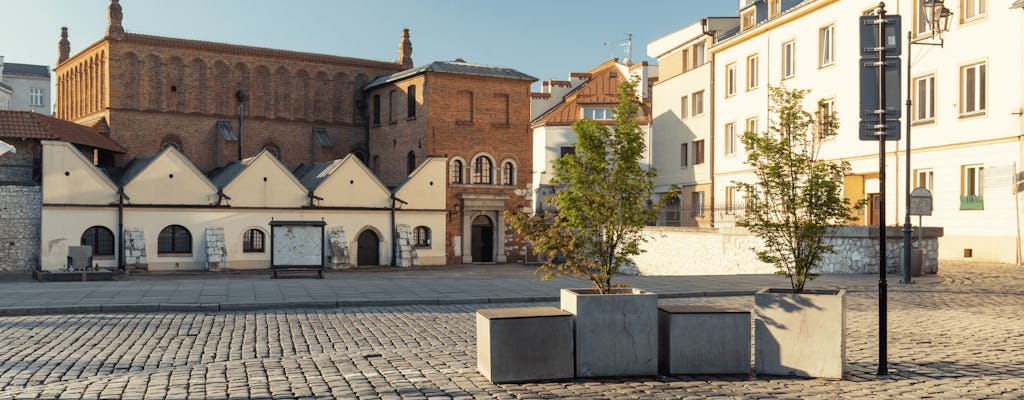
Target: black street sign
869,130
869,36
869,89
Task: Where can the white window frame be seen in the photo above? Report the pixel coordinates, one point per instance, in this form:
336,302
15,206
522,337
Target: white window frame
751,125
684,105
35,97
925,177
971,10
979,89
752,72
730,79
697,103
924,106
597,113
698,54
789,59
827,106
827,45
730,138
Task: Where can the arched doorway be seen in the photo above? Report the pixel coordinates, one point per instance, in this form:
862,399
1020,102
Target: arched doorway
483,239
368,248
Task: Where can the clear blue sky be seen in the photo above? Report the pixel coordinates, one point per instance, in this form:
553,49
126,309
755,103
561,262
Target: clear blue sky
546,39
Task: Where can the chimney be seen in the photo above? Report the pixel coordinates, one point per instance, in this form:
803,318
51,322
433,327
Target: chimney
405,50
114,15
64,48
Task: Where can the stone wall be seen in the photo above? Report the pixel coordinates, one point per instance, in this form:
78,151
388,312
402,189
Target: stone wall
135,249
20,214
730,251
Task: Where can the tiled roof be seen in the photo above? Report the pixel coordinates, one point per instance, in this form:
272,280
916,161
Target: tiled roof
30,125
137,165
258,51
42,71
221,177
452,67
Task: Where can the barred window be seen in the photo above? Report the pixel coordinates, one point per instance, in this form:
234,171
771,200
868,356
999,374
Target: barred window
101,239
253,241
483,170
174,239
421,236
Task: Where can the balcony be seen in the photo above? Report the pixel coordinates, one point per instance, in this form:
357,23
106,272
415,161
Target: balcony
972,202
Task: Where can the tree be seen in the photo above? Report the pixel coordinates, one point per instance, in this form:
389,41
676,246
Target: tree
797,198
603,200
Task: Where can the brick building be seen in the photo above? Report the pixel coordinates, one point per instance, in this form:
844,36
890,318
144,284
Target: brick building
149,92
479,118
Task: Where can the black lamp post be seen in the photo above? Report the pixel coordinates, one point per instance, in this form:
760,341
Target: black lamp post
936,16
241,96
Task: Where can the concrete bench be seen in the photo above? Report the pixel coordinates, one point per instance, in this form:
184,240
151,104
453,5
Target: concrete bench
524,344
703,340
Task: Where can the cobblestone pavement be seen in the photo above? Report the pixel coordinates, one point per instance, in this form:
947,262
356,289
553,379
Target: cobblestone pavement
962,338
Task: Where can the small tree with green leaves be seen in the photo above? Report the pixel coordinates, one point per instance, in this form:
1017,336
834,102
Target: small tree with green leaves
797,197
603,200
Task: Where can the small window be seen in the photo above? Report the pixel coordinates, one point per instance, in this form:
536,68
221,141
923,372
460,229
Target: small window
826,46
749,19
684,105
101,239
924,99
392,104
971,187
732,198
410,162
684,154
253,241
421,236
698,152
972,90
826,116
35,97
752,125
508,174
686,60
598,113
174,239
788,59
972,9
774,8
456,173
698,54
697,200
698,103
410,107
752,77
670,211
730,79
730,138
567,150
376,109
483,171
924,178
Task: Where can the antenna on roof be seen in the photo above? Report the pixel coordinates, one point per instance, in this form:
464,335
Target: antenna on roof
628,44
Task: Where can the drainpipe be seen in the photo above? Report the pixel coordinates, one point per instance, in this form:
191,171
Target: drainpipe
394,230
120,227
711,118
314,197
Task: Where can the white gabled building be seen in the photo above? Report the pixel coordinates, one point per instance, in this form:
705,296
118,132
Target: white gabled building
967,119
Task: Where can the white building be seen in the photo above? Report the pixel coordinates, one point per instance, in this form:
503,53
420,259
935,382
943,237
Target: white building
967,129
585,95
25,87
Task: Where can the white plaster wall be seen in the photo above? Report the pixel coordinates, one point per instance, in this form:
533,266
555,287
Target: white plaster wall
670,130
266,183
20,98
427,186
171,179
68,177
352,185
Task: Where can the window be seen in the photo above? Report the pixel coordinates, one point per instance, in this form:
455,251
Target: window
730,79
752,72
924,178
752,125
466,99
697,199
924,99
376,164
698,103
684,106
564,151
826,46
508,173
684,154
774,8
35,97
392,104
730,138
971,187
686,60
972,9
174,239
920,21
101,239
972,90
410,162
376,109
698,152
410,106
788,59
748,19
421,236
253,241
483,170
671,211
598,113
698,54
826,116
732,199
455,174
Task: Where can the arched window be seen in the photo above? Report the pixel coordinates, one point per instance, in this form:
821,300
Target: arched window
101,239
272,149
455,175
410,161
171,141
421,236
253,241
483,170
508,173
174,239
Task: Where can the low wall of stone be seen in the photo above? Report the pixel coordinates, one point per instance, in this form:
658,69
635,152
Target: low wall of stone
731,251
20,214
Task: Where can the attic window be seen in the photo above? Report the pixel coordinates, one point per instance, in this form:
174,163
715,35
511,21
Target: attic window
748,19
322,138
613,74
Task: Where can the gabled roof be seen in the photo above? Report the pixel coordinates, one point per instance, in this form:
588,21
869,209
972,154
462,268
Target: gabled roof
315,175
139,164
222,177
458,66
41,71
601,89
30,125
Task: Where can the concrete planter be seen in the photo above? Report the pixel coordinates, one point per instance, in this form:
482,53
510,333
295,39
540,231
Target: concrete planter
616,334
524,344
703,340
800,334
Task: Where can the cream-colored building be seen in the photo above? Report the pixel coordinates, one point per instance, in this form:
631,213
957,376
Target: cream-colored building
967,118
176,218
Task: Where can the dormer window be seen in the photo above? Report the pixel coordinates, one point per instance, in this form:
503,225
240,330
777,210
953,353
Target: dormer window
598,113
774,8
748,19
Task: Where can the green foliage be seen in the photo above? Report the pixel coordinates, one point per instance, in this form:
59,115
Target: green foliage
603,200
797,198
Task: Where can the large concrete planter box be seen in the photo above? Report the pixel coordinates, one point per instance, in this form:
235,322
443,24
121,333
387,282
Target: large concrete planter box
524,344
800,334
703,340
616,334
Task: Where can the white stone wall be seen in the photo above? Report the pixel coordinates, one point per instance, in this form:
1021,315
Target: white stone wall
216,252
20,213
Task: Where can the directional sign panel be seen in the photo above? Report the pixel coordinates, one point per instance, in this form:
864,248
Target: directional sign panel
869,36
869,89
869,130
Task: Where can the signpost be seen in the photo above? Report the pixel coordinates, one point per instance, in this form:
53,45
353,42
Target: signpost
880,46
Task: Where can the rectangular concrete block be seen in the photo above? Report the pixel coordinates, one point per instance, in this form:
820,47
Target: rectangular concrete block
616,334
524,344
703,340
800,334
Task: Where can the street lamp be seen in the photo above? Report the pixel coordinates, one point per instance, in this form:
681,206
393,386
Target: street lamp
937,17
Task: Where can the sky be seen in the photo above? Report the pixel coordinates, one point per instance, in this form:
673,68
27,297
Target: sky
546,39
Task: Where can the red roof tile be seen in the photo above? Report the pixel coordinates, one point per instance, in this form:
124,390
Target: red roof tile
30,125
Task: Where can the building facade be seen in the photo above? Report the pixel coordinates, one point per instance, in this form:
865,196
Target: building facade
25,87
477,117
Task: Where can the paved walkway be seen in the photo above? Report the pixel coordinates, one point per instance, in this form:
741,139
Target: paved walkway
959,337
365,287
